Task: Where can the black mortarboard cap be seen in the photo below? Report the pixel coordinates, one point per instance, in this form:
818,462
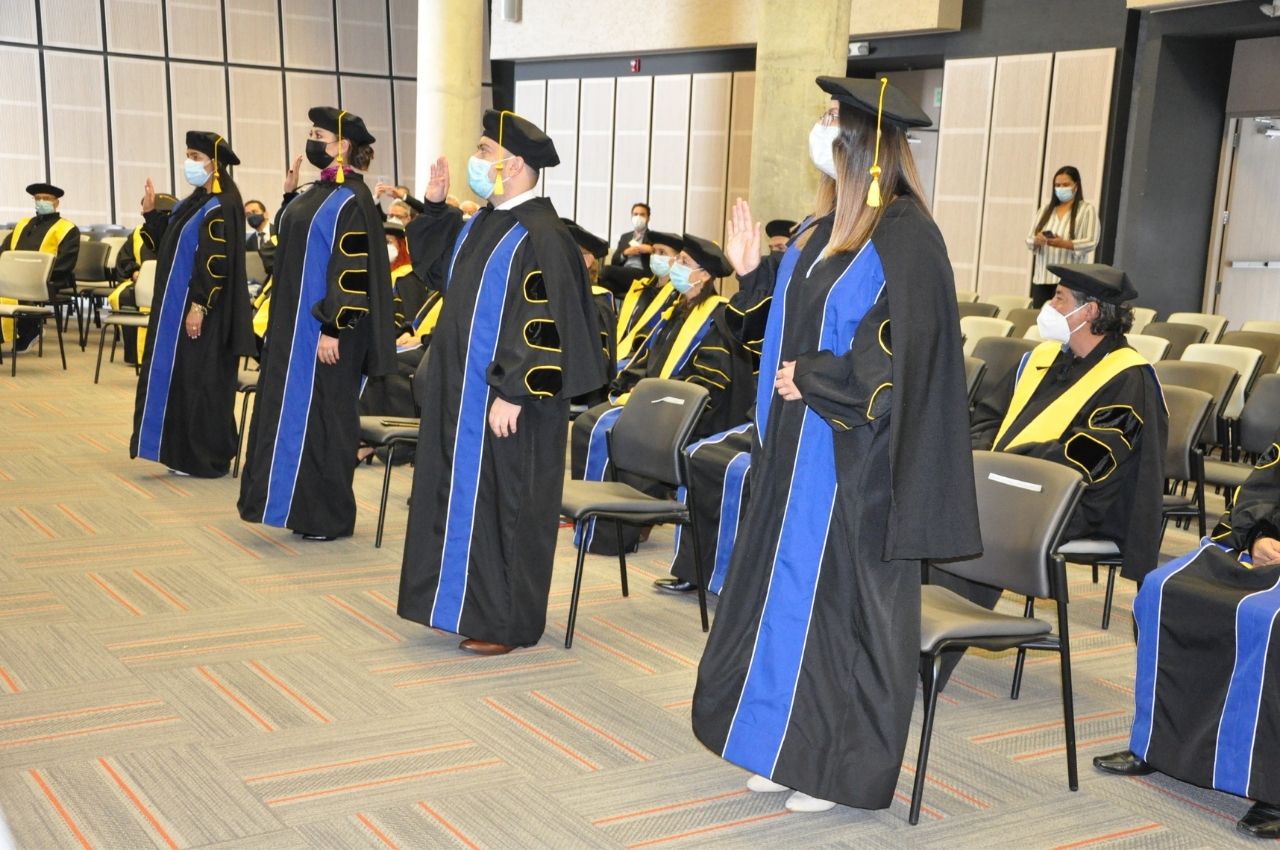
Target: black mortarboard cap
899,109
44,189
343,124
212,145
521,137
708,255
1106,283
671,240
779,227
587,241
393,228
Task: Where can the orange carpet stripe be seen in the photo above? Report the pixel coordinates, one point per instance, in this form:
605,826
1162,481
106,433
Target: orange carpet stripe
931,812
529,727
163,481
617,653
706,829
684,804
375,783
91,441
26,597
21,408
684,703
951,789
453,830
1087,653
138,804
4,476
381,598
217,532
250,644
377,833
262,535
288,691
110,591
78,712
1022,730
37,524
41,609
1183,799
307,584
1115,686
186,637
394,637
240,703
75,733
462,659
134,487
290,577
60,809
480,674
1110,739
1111,836
588,725
316,768
77,520
970,687
9,682
654,646
155,585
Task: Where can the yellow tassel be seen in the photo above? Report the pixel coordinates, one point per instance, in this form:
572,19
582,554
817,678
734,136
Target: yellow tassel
341,176
497,183
217,186
873,192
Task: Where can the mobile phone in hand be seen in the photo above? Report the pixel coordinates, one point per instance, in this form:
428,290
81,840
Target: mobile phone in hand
1048,234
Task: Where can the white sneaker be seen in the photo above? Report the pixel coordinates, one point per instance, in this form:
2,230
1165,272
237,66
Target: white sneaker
173,471
802,802
764,785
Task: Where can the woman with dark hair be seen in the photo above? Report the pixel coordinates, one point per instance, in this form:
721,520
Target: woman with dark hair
810,670
1065,232
200,320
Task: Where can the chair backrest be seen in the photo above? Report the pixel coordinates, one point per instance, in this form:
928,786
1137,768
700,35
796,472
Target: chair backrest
1033,333
1246,362
1213,378
145,287
976,308
966,295
1142,316
24,275
1211,322
1189,411
975,328
1002,355
1261,326
114,244
974,371
1267,343
654,427
1009,302
1261,415
91,262
1154,348
1179,336
1022,318
1023,505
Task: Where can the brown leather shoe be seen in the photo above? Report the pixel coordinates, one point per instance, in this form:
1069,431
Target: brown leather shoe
484,647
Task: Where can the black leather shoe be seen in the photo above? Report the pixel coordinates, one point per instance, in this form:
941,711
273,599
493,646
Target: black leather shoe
675,585
1124,763
1262,821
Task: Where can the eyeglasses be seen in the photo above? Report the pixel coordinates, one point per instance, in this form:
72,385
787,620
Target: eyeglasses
830,118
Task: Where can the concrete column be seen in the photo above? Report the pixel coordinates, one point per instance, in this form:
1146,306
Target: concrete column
450,56
796,42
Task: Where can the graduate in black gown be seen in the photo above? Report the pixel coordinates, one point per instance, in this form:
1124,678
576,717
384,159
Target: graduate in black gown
593,250
48,232
647,299
138,247
517,338
391,395
810,671
1207,689
200,324
330,326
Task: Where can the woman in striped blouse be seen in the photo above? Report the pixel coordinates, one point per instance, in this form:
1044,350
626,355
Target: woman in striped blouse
1065,231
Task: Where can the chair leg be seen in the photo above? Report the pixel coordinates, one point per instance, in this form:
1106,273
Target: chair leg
1068,700
1111,589
62,351
577,588
1028,610
1095,573
13,352
102,343
700,576
244,411
386,486
931,671
622,555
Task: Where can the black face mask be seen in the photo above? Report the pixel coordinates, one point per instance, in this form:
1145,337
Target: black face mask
316,154
255,220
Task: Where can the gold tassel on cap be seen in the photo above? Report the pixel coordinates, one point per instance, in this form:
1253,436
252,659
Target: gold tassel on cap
497,183
217,186
341,176
873,193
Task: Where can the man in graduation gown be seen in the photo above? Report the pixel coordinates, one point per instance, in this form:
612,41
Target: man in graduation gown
645,299
137,249
199,326
330,326
48,232
517,338
779,232
593,250
1207,690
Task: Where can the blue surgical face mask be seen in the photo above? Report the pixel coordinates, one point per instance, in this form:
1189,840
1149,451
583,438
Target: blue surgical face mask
478,175
660,265
44,207
680,278
195,173
1063,193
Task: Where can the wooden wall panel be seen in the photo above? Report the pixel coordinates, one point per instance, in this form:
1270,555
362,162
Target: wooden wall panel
70,23
669,151
257,98
406,111
198,102
371,100
135,26
195,29
531,102
303,92
710,97
632,121
308,34
595,155
253,32
560,183
22,156
18,23
363,46
962,161
78,156
404,38
738,181
140,134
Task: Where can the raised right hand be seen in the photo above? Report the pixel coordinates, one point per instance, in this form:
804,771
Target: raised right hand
742,246
148,197
438,183
291,176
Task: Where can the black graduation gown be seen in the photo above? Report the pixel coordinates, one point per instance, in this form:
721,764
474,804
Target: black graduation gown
31,237
391,395
1207,685
719,469
330,278
809,671
184,412
137,249
517,323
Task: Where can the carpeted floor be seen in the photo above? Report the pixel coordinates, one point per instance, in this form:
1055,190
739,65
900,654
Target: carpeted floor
174,677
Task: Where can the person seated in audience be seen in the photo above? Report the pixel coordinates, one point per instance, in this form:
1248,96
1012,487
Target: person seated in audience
392,395
646,298
136,250
1205,700
779,233
403,207
400,212
634,247
593,250
693,345
48,232
259,235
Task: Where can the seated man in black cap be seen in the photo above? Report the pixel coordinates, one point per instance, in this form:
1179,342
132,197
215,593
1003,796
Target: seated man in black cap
779,233
645,298
139,247
49,233
693,345
516,339
1206,702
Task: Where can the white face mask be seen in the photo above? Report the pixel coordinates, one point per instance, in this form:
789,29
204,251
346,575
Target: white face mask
821,139
639,222
1054,326
393,253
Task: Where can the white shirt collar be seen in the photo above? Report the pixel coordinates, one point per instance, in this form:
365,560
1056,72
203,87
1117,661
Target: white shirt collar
510,203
